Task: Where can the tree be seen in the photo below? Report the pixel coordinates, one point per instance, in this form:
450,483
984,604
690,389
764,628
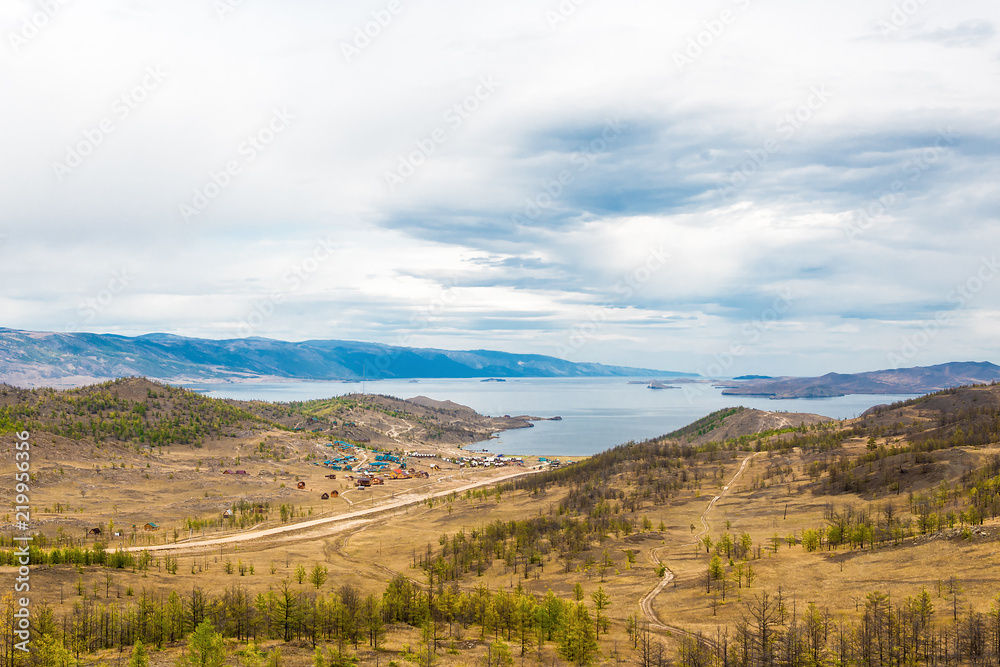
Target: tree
139,658
725,543
498,655
318,575
300,573
759,629
205,648
954,590
601,602
49,650
285,611
815,634
372,620
649,652
578,643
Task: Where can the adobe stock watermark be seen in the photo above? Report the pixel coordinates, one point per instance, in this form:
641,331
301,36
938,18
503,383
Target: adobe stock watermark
597,318
583,159
785,128
750,333
962,295
21,622
454,117
864,218
291,281
419,322
33,24
365,35
93,306
248,151
712,31
900,16
224,8
563,12
123,107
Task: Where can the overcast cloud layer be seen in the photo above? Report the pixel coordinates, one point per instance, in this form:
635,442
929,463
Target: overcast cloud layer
727,187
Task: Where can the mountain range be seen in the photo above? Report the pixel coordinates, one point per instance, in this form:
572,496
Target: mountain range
31,358
918,380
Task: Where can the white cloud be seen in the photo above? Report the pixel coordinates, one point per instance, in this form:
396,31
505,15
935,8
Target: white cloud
517,286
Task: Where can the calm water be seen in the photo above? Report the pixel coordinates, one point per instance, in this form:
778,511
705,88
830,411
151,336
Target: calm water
598,413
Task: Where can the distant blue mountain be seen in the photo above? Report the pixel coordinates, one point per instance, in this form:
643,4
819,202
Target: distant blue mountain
40,358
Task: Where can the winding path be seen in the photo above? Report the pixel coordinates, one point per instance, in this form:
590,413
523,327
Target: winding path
646,604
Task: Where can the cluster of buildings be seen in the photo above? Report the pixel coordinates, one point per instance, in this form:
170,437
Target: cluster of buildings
490,461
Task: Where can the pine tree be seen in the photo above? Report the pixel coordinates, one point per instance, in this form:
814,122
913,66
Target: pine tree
205,648
140,658
317,576
578,643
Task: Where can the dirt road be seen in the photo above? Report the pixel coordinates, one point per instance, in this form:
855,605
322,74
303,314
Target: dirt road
349,519
646,603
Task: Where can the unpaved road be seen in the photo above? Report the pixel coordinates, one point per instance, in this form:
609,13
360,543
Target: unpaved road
646,604
349,519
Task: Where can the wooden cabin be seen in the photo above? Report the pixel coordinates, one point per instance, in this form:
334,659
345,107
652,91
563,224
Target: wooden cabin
301,485
149,527
94,531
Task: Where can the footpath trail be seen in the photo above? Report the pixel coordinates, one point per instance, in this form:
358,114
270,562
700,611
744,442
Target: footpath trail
350,519
646,603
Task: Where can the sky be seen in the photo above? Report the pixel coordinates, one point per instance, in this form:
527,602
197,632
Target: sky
725,187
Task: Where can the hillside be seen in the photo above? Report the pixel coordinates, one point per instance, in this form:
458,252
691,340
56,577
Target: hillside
71,359
657,552
918,380
733,423
133,411
137,412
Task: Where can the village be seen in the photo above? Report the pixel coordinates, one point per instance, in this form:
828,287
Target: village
345,467
376,466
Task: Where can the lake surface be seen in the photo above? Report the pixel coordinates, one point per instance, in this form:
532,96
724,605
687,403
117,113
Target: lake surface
597,413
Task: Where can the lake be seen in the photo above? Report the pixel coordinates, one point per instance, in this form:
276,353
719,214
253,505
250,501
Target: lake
597,413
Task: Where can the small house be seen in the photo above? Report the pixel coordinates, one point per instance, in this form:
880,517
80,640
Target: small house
227,514
227,472
149,527
94,531
325,496
241,472
331,477
301,485
334,493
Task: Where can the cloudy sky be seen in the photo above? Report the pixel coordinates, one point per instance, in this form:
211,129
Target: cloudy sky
770,187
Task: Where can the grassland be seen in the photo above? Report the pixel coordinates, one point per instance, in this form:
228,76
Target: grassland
824,514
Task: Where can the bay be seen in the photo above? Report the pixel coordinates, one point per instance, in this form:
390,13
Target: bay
597,413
